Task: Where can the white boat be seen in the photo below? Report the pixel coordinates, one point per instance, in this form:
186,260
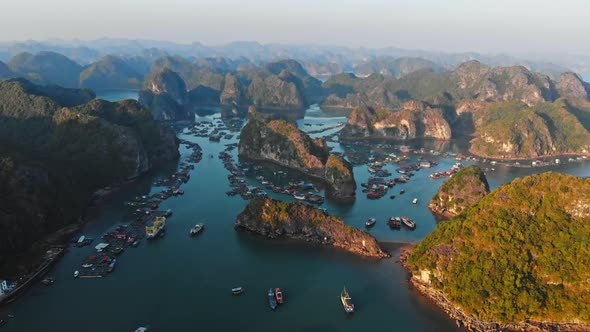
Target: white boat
141,329
299,196
408,222
346,301
76,274
197,229
415,201
86,266
370,222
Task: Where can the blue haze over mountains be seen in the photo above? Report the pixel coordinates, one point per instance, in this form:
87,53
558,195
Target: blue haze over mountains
347,58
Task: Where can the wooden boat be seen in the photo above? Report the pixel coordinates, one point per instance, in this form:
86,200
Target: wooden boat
272,301
279,295
237,290
371,222
346,301
394,222
408,222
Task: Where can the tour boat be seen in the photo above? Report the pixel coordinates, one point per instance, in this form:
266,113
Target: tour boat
346,301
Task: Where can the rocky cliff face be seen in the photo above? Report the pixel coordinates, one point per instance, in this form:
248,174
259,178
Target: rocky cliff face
276,219
461,191
570,85
232,91
165,95
48,175
274,92
493,260
414,120
283,143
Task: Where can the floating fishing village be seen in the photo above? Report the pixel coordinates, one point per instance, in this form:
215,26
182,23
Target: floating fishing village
390,170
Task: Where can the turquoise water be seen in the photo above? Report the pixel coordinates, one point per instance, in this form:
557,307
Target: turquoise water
180,283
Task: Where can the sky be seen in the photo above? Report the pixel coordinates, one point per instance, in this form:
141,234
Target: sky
516,26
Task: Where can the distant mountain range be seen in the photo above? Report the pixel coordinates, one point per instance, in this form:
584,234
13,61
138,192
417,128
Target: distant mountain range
319,60
393,98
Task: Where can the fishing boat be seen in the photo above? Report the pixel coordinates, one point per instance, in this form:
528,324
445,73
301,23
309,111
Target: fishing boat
237,290
279,295
394,222
272,301
197,229
153,228
370,222
111,266
415,201
408,222
346,301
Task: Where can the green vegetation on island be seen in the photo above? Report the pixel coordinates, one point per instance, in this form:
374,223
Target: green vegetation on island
521,252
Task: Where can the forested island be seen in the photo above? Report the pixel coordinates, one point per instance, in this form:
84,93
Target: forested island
515,260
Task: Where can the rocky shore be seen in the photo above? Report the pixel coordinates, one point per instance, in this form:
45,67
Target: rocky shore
275,219
474,324
281,142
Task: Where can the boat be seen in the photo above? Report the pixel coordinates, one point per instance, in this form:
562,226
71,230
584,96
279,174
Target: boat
237,290
408,222
111,266
197,229
370,222
86,265
415,201
168,213
299,196
279,295
401,192
47,281
76,274
394,222
153,228
346,301
141,329
272,301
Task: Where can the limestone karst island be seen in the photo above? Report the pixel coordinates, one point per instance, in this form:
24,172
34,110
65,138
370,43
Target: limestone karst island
294,166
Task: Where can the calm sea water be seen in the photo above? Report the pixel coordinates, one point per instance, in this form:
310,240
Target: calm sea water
180,283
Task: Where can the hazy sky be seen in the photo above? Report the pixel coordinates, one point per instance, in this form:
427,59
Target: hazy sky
452,25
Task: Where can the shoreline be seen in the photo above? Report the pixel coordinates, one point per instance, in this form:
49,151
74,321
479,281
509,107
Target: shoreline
329,187
471,323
